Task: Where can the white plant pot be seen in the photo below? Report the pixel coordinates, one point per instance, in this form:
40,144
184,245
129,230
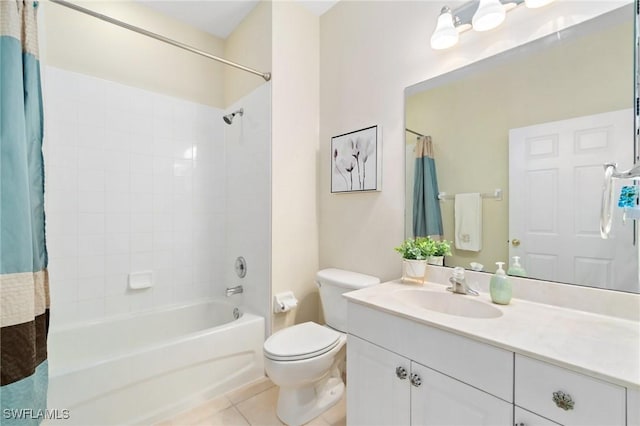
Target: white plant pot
436,260
414,268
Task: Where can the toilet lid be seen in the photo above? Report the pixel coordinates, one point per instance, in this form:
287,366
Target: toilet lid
300,341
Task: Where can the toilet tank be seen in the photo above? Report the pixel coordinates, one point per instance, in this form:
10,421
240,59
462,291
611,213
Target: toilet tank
332,283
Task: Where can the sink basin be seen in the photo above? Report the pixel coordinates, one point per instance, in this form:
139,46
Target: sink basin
447,303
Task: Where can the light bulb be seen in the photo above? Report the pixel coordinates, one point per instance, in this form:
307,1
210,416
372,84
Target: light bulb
445,35
489,15
533,4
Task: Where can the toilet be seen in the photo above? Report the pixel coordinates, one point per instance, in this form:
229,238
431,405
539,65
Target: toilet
304,360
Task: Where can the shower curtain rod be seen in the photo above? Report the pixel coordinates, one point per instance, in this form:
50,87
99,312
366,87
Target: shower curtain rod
408,130
265,75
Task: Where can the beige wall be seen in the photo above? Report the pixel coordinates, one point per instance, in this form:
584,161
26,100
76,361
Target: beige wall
469,120
294,158
369,52
81,43
250,45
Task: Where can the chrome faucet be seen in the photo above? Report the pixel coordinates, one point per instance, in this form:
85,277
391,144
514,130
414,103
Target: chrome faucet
234,290
459,283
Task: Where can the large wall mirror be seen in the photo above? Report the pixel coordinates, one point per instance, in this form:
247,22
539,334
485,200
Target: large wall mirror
536,123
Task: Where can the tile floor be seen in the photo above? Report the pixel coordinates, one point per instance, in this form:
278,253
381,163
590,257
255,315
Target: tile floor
250,405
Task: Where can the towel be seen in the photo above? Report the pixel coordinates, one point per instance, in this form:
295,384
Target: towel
468,221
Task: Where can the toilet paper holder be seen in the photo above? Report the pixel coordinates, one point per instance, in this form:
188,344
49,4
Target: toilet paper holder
284,302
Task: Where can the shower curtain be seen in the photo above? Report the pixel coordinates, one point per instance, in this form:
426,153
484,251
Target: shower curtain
427,220
24,282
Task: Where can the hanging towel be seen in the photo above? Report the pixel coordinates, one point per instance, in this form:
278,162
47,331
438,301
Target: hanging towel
468,218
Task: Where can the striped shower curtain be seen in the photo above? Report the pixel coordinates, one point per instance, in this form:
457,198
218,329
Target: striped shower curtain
24,283
427,219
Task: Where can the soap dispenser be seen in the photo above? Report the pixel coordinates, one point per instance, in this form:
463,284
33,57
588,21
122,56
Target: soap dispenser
516,269
500,287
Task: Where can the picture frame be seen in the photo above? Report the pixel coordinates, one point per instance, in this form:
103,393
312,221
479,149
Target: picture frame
356,161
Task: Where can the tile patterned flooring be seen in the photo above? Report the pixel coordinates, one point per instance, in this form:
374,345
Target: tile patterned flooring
250,405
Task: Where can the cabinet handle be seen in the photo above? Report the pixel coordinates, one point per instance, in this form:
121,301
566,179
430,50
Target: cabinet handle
563,400
415,380
519,424
401,372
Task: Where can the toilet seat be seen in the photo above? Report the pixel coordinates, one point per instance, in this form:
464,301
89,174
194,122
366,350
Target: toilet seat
301,341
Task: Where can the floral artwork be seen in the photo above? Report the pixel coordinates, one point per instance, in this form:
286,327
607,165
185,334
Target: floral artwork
355,162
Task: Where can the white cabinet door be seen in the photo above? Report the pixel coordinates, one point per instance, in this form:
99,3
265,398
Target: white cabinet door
375,393
443,401
527,418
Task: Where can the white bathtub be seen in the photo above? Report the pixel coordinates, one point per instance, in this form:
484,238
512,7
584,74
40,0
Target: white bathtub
141,368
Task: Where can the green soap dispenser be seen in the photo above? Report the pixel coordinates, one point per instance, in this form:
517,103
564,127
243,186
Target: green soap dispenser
500,287
516,269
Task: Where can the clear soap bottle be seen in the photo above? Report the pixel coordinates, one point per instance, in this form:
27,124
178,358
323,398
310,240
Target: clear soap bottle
500,286
516,269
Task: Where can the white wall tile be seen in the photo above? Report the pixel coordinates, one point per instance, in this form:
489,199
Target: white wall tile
91,202
90,309
142,242
62,246
142,223
91,245
91,288
91,180
118,223
135,181
117,243
91,223
90,266
117,305
141,204
117,181
117,264
116,284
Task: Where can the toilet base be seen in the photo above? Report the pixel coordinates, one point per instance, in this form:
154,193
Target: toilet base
297,406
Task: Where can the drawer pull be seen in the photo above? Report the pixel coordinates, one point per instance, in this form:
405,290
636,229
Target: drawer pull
415,380
563,400
401,372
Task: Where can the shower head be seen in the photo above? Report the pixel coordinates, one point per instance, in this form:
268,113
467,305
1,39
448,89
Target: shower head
229,117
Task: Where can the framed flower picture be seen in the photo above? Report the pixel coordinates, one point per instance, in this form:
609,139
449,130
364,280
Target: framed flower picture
356,160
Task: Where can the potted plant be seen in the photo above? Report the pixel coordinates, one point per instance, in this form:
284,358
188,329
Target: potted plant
415,252
440,250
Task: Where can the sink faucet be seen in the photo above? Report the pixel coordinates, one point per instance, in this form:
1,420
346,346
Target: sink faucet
459,283
234,290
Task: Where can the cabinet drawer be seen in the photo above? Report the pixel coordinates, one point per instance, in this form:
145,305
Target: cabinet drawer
594,401
477,364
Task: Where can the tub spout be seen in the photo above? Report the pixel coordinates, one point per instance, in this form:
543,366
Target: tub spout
234,290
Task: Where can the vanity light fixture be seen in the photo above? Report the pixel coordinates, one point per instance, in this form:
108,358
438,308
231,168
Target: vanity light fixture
446,34
489,15
480,15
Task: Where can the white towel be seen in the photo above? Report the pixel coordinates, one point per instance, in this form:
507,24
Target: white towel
468,218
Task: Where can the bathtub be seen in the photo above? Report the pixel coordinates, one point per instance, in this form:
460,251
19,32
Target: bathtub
140,368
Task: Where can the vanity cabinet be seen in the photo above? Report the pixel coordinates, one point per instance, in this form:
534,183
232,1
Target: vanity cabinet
403,372
388,389
400,372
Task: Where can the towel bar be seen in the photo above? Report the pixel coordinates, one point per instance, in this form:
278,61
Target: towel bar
496,194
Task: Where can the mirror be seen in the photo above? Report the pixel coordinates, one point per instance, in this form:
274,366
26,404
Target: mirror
537,123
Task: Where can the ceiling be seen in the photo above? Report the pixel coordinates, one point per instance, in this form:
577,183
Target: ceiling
220,17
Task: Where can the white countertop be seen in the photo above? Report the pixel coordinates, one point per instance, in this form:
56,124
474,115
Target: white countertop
600,346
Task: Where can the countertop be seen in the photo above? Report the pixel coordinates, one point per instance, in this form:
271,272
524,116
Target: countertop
597,345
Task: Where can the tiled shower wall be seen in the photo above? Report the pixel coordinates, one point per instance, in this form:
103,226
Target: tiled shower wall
135,181
248,189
